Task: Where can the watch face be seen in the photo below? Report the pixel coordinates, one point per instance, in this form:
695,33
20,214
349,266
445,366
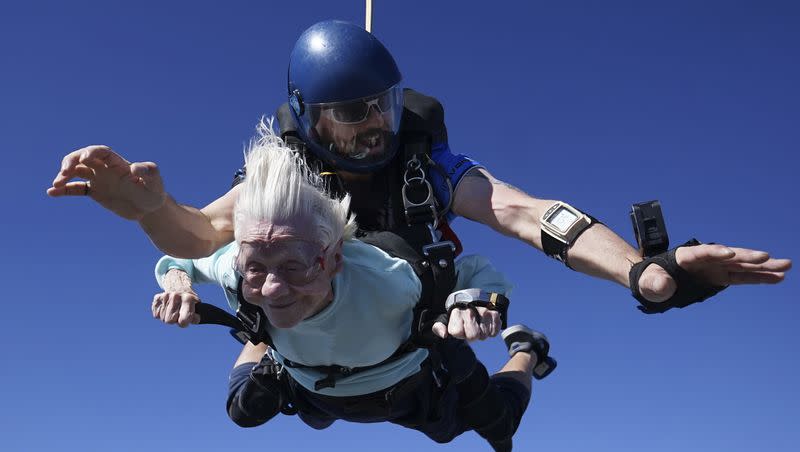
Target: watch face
562,219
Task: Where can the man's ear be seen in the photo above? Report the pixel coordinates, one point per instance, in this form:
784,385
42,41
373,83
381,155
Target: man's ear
338,260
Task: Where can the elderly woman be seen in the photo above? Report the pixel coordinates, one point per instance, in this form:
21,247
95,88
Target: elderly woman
334,300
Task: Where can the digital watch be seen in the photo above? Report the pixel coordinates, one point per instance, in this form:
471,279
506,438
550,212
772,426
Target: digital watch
561,225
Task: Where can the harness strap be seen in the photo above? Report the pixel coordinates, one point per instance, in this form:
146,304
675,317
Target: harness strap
334,371
419,202
212,315
437,269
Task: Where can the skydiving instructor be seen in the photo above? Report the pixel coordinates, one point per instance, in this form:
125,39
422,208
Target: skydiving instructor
349,114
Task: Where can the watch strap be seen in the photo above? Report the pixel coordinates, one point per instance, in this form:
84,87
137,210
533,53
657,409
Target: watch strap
559,250
553,247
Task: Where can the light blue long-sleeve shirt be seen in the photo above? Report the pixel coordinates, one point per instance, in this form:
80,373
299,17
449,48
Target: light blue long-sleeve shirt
369,318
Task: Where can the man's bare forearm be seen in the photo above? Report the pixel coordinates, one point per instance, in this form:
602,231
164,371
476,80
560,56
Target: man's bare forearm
602,253
180,231
183,231
597,252
251,354
190,233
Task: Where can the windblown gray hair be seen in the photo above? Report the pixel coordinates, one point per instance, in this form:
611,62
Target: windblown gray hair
280,186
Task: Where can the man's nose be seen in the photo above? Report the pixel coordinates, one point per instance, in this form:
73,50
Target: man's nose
274,287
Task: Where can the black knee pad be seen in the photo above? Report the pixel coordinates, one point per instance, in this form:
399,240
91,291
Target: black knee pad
258,400
483,408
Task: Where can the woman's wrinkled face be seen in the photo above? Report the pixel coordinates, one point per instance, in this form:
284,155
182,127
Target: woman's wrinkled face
286,270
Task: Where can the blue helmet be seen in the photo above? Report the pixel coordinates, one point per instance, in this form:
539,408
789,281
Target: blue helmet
344,92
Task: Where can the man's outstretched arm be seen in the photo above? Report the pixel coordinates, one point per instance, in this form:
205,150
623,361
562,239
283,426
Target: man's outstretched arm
184,231
599,251
135,191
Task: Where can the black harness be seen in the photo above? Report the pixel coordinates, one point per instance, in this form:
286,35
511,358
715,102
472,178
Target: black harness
400,216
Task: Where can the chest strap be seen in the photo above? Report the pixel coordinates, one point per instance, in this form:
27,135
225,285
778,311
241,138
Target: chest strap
334,372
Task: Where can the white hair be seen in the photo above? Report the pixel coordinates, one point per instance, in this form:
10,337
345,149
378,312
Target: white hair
279,186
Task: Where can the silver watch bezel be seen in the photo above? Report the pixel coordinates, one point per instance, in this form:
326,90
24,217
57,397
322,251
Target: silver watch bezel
581,222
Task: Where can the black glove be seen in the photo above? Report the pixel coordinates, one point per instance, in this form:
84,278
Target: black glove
689,290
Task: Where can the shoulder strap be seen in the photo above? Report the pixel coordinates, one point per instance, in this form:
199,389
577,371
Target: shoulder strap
434,265
424,114
248,325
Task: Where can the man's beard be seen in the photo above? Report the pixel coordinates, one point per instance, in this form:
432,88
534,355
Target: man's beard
368,144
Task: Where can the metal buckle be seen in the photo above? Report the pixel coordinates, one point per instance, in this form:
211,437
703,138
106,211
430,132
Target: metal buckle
251,321
432,230
427,249
414,176
428,199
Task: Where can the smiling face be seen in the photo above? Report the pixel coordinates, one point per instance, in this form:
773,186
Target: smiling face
286,271
367,139
358,135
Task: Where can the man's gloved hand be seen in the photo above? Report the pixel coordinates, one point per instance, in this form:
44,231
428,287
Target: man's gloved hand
694,272
472,314
470,324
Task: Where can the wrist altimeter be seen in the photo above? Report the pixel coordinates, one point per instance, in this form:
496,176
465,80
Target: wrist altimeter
649,228
561,225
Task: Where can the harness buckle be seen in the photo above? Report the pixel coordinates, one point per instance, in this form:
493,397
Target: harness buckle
432,230
437,249
242,337
419,202
251,320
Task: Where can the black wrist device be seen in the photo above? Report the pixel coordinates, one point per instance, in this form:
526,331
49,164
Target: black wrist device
649,228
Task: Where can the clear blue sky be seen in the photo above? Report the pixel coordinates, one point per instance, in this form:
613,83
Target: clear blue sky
601,104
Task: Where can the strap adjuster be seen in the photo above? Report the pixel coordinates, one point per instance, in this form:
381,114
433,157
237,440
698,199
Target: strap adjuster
251,320
440,249
419,202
